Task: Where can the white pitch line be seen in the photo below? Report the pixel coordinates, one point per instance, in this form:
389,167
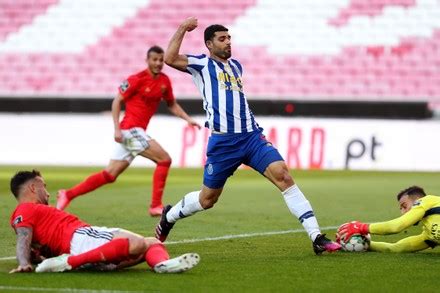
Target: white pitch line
226,237
70,290
246,235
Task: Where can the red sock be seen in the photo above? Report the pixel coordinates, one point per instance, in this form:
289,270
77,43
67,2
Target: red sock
90,183
112,252
159,178
155,254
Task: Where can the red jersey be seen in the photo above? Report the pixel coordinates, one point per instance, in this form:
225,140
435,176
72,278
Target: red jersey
142,94
51,227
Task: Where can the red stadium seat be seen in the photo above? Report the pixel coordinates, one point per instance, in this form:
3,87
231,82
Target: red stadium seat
408,69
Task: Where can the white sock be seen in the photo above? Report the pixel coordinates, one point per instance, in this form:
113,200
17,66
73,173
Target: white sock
189,205
301,208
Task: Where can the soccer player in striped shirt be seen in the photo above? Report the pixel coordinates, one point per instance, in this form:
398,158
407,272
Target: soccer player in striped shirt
236,137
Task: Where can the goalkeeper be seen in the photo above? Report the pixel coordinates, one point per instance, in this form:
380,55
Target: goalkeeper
416,207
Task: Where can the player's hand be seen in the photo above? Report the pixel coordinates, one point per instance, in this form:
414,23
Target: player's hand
193,123
189,24
345,231
36,256
118,136
22,269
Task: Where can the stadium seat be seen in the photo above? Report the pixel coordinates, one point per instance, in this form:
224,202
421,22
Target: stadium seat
381,49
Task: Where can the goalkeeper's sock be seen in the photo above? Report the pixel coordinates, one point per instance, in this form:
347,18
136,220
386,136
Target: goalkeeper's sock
159,179
155,254
112,252
301,208
90,183
189,205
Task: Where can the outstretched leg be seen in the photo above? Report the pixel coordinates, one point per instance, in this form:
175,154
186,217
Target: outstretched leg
278,173
125,249
94,181
190,204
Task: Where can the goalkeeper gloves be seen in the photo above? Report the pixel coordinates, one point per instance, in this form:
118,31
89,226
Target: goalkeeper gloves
345,231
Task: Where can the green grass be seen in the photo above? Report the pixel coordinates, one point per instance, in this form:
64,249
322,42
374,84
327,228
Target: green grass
249,204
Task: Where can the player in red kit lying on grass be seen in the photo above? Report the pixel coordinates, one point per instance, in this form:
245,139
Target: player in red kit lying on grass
44,231
141,93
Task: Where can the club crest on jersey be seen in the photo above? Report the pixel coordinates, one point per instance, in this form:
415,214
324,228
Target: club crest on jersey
17,220
163,89
124,86
210,169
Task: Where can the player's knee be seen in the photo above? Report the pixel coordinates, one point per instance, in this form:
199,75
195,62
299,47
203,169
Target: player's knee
165,162
110,175
137,245
208,203
151,241
287,179
282,175
112,178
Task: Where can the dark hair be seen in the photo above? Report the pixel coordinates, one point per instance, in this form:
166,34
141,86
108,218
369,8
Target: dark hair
212,29
412,191
155,49
20,178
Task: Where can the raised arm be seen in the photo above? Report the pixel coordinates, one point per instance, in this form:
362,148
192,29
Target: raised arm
172,56
24,240
116,111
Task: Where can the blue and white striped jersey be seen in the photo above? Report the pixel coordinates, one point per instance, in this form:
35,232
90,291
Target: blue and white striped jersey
221,87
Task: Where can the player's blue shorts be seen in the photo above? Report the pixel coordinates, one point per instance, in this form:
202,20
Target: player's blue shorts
226,152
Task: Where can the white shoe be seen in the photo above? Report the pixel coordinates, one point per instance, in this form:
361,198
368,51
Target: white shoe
54,264
178,264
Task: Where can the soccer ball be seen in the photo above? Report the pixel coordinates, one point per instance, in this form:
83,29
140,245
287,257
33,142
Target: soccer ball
356,243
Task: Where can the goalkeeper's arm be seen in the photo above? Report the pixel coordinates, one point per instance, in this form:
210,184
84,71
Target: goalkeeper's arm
397,225
409,244
382,228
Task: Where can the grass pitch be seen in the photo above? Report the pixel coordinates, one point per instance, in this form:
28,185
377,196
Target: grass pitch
249,204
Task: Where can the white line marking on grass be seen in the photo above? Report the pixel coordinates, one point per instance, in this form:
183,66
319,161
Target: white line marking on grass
246,235
71,290
227,237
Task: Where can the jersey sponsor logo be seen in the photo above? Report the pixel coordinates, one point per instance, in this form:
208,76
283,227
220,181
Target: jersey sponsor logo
210,169
124,86
435,231
17,220
235,83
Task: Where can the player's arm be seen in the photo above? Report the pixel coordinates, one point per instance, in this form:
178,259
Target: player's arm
398,225
24,240
382,228
178,111
172,56
116,111
409,244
